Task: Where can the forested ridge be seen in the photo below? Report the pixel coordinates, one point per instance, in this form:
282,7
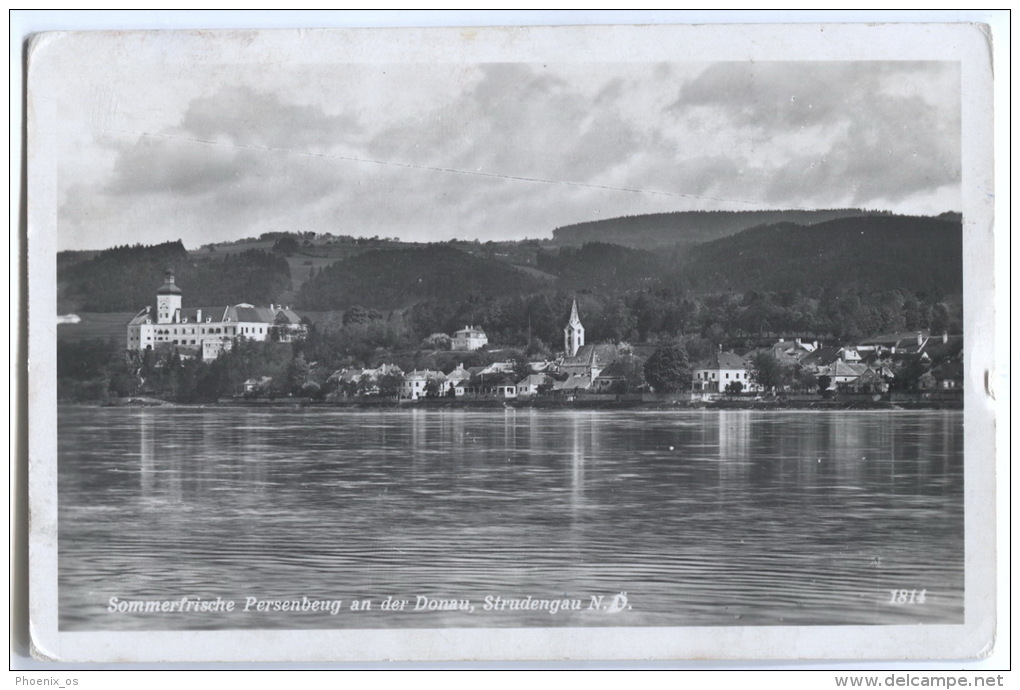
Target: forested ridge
869,253
397,278
126,278
689,227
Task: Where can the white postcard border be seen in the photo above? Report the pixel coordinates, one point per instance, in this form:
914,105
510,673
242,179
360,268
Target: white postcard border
966,43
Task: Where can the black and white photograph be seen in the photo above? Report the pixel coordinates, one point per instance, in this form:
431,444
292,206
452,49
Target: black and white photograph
521,342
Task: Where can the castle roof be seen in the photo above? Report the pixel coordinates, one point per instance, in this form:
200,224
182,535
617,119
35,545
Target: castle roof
169,289
240,313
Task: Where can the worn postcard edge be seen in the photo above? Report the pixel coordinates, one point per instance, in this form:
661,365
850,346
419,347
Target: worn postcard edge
967,43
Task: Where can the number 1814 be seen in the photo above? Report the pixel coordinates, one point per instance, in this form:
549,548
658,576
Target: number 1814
901,597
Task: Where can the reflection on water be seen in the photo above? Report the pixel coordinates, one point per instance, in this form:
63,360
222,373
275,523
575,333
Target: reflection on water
702,518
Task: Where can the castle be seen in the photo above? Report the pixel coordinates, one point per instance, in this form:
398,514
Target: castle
207,331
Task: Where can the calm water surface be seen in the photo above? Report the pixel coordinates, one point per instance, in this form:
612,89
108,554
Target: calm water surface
700,517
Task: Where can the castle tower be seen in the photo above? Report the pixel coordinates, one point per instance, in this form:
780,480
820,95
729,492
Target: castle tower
573,334
168,299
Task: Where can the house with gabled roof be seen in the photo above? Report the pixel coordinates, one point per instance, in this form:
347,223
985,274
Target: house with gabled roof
843,374
720,370
530,384
457,380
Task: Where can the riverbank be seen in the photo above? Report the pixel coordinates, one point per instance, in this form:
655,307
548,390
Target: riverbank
577,403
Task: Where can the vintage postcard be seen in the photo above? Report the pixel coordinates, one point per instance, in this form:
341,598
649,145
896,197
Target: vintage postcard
523,343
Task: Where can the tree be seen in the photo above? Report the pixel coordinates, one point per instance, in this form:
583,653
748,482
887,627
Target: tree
521,367
389,385
633,371
310,389
668,369
824,382
437,341
358,315
805,379
734,388
286,246
432,388
297,374
766,371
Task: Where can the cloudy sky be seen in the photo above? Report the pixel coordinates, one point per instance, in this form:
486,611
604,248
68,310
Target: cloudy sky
210,152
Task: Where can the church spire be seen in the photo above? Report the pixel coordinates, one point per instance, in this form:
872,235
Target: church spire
573,334
575,320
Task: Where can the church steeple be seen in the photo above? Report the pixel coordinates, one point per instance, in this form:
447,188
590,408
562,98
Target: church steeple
573,334
168,299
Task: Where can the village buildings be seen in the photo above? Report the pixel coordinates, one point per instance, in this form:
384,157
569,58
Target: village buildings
868,366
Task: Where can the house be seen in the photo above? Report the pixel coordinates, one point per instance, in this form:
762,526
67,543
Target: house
821,357
843,375
948,375
720,370
870,381
849,354
207,332
457,380
495,384
530,384
622,376
415,384
575,383
350,382
254,386
912,343
469,338
498,368
787,352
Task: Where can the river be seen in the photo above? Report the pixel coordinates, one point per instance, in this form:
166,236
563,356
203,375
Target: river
634,518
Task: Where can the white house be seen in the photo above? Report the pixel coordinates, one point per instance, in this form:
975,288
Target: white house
414,383
469,338
530,384
722,369
207,331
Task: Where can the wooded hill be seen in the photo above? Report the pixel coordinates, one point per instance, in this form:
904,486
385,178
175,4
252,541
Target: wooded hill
688,227
871,252
919,254
126,278
395,278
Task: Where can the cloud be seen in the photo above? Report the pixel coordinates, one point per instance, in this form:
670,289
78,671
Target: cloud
513,150
243,115
834,133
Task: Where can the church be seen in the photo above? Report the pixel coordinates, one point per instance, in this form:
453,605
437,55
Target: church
583,361
207,331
